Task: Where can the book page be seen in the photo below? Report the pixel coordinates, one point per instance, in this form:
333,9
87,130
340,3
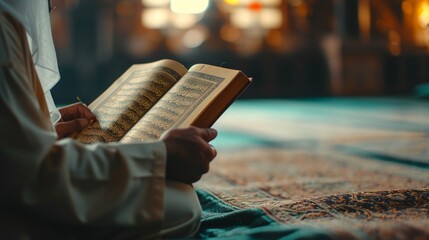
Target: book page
184,102
130,97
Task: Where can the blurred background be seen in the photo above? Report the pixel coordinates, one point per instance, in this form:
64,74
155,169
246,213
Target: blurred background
291,48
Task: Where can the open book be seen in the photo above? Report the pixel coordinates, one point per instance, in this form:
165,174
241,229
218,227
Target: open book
149,99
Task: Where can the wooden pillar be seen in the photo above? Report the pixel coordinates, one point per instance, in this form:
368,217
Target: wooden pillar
355,66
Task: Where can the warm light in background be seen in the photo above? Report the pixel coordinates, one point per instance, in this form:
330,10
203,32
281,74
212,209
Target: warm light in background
255,6
179,21
155,18
184,21
364,18
189,6
253,2
266,18
232,2
271,18
256,32
243,18
155,3
246,14
250,22
229,33
249,46
417,18
247,22
407,7
296,3
194,37
168,13
271,2
423,14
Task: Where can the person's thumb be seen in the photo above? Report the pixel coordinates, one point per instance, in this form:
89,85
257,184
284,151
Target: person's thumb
66,128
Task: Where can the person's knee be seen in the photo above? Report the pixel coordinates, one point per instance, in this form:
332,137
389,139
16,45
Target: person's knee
182,214
182,210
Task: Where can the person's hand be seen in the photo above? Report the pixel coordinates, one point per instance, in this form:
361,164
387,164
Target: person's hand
188,153
74,118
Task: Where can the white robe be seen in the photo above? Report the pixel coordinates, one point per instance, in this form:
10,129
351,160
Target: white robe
99,185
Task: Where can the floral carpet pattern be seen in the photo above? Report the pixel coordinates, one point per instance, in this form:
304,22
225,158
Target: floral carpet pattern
319,169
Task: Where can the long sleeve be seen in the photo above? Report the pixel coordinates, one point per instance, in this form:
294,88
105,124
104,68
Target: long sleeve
100,184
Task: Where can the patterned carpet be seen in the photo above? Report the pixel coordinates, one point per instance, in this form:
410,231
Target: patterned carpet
319,169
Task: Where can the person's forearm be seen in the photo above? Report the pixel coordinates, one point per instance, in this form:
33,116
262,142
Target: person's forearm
102,184
99,184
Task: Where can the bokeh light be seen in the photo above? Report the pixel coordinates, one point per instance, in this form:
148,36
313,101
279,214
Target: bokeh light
155,3
155,18
255,6
243,18
184,21
194,37
423,14
229,33
189,6
271,18
232,2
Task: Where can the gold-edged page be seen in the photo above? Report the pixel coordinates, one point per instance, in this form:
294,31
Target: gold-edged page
130,97
183,103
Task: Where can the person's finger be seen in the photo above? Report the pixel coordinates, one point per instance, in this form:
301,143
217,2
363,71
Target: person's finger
208,134
77,110
214,151
86,112
66,128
